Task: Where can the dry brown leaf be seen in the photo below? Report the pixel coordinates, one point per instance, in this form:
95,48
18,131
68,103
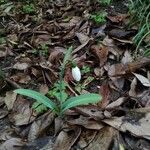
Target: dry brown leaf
3,53
21,78
132,91
145,81
116,103
10,99
101,52
43,89
21,66
21,113
12,144
103,139
82,37
40,125
105,92
86,138
137,123
90,111
117,18
56,54
121,33
86,122
127,57
1,101
122,69
80,47
3,113
65,140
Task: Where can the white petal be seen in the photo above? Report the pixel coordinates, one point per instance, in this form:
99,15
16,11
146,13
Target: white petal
76,73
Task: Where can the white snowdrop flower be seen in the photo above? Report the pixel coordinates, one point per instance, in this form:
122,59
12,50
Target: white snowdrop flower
76,73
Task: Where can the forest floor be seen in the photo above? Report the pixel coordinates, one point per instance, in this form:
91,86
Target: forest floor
34,36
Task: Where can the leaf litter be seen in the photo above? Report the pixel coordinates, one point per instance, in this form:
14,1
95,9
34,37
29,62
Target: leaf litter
31,53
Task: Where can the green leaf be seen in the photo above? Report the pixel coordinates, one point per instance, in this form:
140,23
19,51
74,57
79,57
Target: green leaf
61,97
81,100
37,96
39,107
67,55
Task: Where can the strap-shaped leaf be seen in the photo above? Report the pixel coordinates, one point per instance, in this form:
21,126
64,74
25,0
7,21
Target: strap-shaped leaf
37,96
81,100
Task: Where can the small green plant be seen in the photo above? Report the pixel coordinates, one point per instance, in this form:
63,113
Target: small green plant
43,49
2,40
147,53
99,17
81,86
104,2
29,9
85,69
63,102
139,11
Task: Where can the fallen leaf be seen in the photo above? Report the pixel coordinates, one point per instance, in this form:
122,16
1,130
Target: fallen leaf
122,69
86,122
134,121
132,91
121,33
21,113
43,89
1,101
127,57
13,144
56,54
103,139
82,37
90,111
117,18
10,99
3,113
86,138
21,78
116,103
145,81
101,52
105,92
65,140
40,125
21,66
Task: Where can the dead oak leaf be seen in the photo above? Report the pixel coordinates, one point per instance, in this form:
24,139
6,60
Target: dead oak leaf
82,37
65,140
86,122
21,113
101,52
145,81
135,122
21,66
103,139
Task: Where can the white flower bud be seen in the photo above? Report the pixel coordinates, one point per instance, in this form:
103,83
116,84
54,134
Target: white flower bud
76,73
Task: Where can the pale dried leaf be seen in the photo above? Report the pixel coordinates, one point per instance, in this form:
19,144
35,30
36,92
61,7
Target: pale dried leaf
103,139
65,140
40,125
12,144
127,57
10,99
137,123
82,37
86,122
145,81
21,66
